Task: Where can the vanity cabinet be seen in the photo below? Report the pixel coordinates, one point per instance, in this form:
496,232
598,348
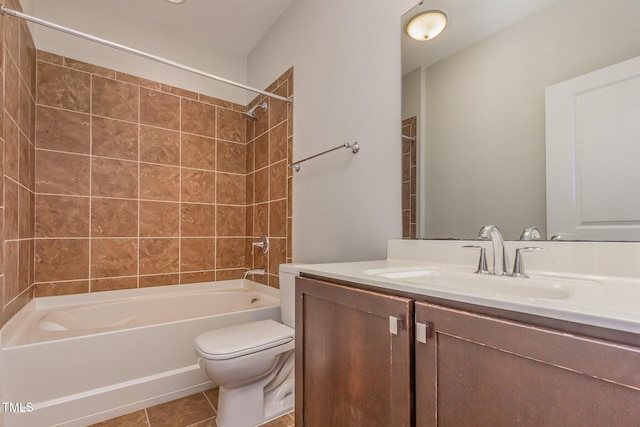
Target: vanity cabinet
350,370
474,370
449,367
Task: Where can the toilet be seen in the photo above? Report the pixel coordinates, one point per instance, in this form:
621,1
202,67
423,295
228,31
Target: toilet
252,363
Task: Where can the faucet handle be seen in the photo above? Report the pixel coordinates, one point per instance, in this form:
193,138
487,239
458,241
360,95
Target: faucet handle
262,244
518,265
531,233
482,264
486,230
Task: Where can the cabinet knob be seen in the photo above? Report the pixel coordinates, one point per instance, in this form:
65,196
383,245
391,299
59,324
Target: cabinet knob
423,331
394,325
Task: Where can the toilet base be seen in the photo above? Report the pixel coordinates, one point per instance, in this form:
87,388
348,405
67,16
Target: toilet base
242,410
250,405
274,410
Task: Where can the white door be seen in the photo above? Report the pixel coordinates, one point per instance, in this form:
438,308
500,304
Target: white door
593,155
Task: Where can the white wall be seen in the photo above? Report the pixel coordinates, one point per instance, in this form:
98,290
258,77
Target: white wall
347,79
485,112
412,94
28,6
125,29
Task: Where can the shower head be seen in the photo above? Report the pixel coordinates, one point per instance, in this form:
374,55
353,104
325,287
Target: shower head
251,113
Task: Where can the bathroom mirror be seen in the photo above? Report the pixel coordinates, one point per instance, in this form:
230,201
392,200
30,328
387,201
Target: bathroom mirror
477,93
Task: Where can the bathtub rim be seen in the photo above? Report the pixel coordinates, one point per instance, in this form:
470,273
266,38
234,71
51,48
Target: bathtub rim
21,320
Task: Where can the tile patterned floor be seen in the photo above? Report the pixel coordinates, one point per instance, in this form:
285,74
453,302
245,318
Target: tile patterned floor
197,410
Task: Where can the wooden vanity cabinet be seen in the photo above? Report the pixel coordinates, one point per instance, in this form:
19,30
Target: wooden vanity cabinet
475,370
449,367
350,370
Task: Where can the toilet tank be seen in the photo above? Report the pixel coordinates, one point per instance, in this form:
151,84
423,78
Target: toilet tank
288,274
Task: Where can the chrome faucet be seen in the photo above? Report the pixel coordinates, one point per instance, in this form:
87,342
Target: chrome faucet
259,271
500,259
530,233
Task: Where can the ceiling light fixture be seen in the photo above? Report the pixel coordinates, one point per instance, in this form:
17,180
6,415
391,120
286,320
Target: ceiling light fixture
176,1
427,25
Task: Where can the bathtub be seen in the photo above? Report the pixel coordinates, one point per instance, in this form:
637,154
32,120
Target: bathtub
80,359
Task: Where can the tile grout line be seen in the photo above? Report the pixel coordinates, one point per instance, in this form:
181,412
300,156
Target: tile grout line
215,410
139,188
180,166
269,166
122,159
90,176
146,415
33,179
215,193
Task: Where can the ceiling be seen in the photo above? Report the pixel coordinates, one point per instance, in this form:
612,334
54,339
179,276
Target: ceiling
236,26
232,25
469,22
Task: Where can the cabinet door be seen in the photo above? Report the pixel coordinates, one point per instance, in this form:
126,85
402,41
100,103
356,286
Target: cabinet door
351,370
480,371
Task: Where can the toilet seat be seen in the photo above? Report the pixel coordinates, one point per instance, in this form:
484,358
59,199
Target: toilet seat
240,340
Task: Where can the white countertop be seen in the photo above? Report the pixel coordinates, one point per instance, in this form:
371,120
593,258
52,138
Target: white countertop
610,302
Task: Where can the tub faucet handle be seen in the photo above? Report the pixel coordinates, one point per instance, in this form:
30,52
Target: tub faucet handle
262,244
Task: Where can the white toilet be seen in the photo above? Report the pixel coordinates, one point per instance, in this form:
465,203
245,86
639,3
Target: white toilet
252,363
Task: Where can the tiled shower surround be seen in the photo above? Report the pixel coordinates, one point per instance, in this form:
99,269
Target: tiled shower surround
131,183
140,184
17,130
409,180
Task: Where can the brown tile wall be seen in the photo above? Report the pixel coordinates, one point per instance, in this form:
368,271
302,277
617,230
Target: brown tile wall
142,184
409,178
17,129
270,180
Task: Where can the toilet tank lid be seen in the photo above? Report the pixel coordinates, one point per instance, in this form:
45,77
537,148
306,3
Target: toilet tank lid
239,340
290,268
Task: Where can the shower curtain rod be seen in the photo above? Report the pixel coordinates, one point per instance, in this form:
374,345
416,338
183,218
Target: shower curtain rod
17,14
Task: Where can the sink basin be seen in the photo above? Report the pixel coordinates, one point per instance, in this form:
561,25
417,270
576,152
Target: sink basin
404,272
439,277
507,287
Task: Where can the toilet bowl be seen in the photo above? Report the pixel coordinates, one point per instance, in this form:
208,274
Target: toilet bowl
252,363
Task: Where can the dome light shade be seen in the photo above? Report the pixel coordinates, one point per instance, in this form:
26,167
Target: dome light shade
427,25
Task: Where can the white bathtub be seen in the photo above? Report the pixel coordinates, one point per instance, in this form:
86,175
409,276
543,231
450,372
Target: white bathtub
80,359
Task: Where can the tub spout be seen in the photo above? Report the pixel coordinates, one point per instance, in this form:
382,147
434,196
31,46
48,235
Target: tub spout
259,271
